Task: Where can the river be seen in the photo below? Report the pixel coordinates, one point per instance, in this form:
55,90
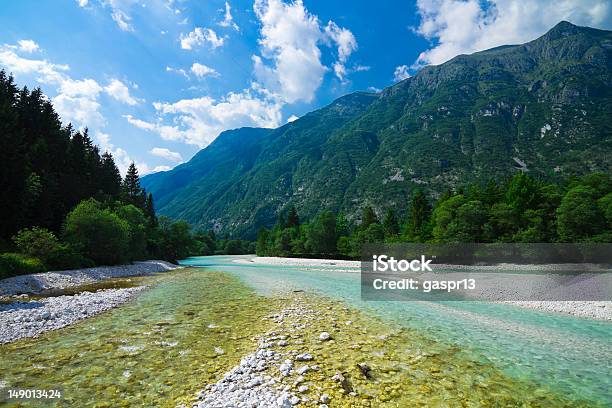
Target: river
571,355
161,348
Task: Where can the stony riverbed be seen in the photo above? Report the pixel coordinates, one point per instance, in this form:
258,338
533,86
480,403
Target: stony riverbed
31,318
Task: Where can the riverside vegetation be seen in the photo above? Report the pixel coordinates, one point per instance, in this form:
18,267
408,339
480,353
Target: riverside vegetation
64,205
523,209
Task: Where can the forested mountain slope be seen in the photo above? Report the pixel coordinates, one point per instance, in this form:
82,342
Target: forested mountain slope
543,107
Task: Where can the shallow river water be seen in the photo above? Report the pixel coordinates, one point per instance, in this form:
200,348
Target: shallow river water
195,324
571,355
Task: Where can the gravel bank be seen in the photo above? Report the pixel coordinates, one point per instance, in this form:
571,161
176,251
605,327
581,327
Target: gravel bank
600,310
29,319
272,377
36,283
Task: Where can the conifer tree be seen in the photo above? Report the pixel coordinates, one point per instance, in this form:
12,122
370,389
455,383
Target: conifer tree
132,191
293,219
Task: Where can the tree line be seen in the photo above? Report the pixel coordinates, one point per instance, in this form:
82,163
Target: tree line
64,203
520,209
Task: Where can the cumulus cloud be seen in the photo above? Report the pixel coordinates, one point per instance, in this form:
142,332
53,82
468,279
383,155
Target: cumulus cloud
201,70
401,73
346,43
287,69
121,157
119,91
290,61
199,36
28,46
292,118
166,154
228,20
199,121
466,26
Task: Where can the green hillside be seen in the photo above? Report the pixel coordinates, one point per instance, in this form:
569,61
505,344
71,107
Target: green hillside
542,107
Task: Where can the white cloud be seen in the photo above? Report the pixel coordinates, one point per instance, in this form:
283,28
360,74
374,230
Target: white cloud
200,35
289,37
228,20
119,91
161,168
292,118
401,73
122,19
179,71
201,70
345,40
83,3
199,121
466,26
28,46
166,154
121,157
290,61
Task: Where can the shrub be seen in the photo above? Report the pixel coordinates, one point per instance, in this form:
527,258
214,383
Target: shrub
97,233
136,220
16,264
36,242
65,257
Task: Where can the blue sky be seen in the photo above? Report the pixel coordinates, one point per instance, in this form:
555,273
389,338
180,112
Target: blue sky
155,81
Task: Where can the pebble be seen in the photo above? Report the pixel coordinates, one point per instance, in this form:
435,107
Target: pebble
304,357
324,336
29,319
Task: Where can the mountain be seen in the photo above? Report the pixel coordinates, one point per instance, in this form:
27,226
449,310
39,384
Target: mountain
542,107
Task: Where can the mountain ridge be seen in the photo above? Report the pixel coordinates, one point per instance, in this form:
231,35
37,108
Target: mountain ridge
541,107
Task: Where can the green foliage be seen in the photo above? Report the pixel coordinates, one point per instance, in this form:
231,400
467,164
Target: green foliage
16,264
368,217
321,235
64,257
36,242
98,233
578,215
521,209
137,227
47,168
390,225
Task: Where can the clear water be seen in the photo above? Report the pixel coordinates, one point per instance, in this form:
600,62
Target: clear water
572,356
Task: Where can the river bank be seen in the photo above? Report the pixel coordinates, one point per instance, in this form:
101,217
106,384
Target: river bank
32,318
599,310
205,338
40,282
34,304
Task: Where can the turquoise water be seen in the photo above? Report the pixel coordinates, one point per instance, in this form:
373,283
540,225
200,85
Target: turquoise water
571,355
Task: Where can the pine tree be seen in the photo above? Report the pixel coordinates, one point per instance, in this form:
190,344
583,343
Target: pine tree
149,210
132,191
293,219
369,217
109,176
418,215
390,225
